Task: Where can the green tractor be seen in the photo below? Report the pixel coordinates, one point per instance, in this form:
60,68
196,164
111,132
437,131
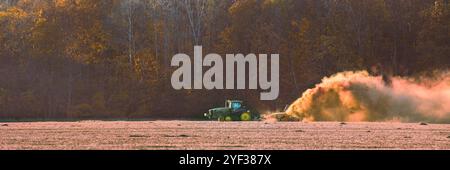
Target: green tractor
234,110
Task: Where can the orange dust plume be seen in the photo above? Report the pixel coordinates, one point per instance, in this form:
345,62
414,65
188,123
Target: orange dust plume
358,96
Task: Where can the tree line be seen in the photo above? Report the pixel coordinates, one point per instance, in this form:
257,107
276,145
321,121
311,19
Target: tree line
111,58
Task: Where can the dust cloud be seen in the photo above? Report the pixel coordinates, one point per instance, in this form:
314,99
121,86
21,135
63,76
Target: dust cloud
357,96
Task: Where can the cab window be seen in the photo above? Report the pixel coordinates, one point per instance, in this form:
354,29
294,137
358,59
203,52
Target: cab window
235,105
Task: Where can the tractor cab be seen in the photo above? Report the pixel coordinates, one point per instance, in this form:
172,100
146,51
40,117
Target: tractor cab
233,104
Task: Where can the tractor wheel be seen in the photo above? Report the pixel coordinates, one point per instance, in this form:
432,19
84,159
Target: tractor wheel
220,119
246,116
228,118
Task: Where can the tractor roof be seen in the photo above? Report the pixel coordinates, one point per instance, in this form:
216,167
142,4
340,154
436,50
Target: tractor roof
240,101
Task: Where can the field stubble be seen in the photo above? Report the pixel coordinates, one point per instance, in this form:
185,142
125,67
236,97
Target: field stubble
211,135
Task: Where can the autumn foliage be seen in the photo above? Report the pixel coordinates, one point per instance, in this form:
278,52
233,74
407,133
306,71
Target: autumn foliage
111,58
